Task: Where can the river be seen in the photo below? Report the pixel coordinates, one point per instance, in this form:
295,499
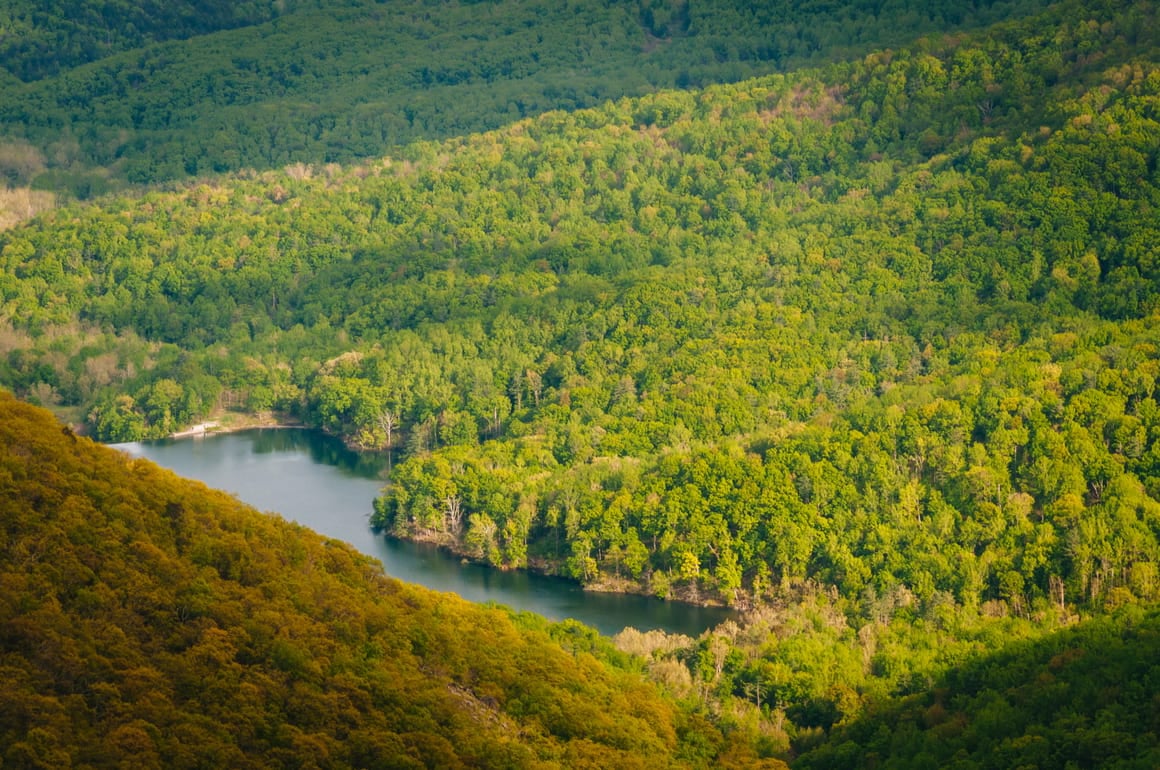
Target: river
312,479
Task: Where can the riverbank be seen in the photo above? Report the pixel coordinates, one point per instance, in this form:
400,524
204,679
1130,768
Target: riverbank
684,592
311,478
232,422
663,587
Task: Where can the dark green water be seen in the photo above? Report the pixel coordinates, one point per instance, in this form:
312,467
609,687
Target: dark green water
314,480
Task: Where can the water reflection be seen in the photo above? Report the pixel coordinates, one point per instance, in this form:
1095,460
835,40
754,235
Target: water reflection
317,481
322,449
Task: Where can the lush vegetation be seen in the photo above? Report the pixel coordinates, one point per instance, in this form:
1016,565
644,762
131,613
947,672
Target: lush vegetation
1085,697
908,685
888,323
871,348
147,620
139,92
43,38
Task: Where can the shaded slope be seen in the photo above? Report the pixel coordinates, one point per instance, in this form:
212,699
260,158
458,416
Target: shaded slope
46,37
145,618
334,81
1084,697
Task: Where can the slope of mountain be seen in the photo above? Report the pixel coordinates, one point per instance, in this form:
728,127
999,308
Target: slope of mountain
145,619
146,92
874,347
888,323
43,38
1084,697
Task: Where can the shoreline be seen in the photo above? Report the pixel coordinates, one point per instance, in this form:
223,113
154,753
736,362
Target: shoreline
235,423
693,595
608,584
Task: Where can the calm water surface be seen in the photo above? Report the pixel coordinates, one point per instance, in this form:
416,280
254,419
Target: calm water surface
314,480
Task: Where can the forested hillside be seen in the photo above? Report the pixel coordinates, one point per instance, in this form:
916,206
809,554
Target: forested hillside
148,621
887,323
913,684
1085,697
43,38
118,92
870,349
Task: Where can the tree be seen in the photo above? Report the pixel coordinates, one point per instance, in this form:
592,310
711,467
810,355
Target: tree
387,422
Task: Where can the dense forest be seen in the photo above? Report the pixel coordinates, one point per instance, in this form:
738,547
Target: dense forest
122,92
150,620
868,348
885,323
146,619
1084,697
48,37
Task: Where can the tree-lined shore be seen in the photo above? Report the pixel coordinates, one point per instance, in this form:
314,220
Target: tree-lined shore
869,348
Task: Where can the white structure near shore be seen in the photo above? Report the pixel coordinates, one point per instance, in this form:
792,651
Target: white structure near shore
196,430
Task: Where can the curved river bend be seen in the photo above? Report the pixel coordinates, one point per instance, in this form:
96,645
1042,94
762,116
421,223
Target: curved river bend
312,479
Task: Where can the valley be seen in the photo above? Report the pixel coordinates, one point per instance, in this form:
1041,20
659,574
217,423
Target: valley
845,317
